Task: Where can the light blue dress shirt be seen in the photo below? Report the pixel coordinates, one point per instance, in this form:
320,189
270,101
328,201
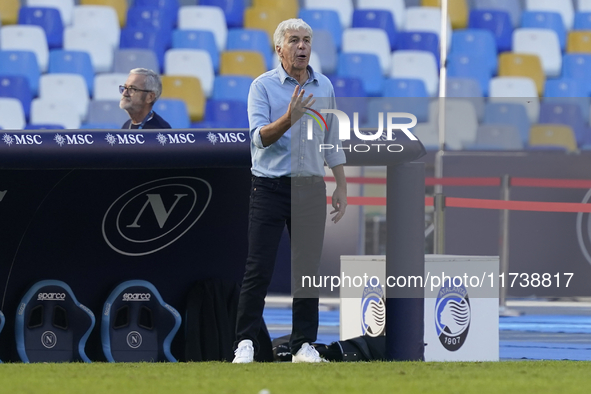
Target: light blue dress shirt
293,154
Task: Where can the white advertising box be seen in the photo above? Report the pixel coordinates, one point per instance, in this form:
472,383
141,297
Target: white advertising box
461,320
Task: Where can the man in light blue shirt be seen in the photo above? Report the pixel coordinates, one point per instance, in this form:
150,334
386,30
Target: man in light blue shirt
288,187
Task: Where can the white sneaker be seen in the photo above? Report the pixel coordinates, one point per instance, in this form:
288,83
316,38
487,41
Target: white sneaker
307,354
244,353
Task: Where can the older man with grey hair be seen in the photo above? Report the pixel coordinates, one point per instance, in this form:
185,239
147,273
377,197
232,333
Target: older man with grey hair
141,90
288,188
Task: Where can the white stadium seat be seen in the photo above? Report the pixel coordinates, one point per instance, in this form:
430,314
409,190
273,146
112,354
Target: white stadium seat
45,111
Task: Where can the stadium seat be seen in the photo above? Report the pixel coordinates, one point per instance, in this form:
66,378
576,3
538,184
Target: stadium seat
578,42
369,41
9,12
119,6
461,122
568,91
197,39
65,8
467,65
426,19
23,63
230,114
48,19
99,17
12,114
174,111
137,325
26,38
73,62
54,112
478,42
106,86
582,21
520,90
514,114
416,65
143,38
522,65
251,40
343,7
287,9
583,5
564,8
101,126
44,127
396,7
168,9
327,20
457,11
92,41
467,88
262,18
545,20
511,7
498,137
324,45
552,136
233,10
497,22
411,96
191,62
364,66
17,86
51,325
187,89
420,41
427,134
376,19
125,60
543,43
247,63
566,114
201,17
231,87
70,88
347,87
106,112
384,105
578,66
151,18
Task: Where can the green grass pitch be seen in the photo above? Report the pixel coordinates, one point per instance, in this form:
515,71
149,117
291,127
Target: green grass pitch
277,378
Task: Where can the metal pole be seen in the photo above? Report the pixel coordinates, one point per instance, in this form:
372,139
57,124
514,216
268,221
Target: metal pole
439,203
504,248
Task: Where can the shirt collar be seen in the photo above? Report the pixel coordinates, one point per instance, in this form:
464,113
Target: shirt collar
283,75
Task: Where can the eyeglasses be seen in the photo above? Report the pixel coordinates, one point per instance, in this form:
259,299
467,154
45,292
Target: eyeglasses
131,89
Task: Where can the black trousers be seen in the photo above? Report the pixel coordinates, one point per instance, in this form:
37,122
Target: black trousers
274,204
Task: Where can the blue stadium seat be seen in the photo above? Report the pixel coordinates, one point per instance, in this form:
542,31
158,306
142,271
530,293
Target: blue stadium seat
154,19
174,112
350,96
379,19
49,19
251,40
582,20
568,91
197,39
226,113
137,325
23,63
231,87
324,20
72,62
419,41
479,42
404,87
498,22
168,8
2,322
17,86
511,114
365,67
497,137
324,44
51,325
233,10
466,65
44,127
577,66
512,7
128,59
469,89
545,20
566,114
143,38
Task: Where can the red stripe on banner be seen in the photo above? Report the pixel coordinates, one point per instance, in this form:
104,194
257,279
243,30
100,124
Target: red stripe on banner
455,181
360,180
517,205
562,183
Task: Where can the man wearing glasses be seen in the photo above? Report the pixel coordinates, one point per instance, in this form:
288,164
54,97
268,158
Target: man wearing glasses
141,90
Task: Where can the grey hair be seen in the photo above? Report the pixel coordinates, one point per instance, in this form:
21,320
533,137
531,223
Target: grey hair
289,24
153,82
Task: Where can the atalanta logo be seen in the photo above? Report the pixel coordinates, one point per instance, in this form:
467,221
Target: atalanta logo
373,310
452,315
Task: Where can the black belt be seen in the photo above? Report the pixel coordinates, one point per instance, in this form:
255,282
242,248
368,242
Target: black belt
300,180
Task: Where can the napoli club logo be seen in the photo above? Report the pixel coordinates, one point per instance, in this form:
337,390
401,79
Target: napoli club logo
373,310
452,315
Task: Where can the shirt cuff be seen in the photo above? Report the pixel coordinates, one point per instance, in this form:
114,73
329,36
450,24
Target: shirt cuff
335,158
257,140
